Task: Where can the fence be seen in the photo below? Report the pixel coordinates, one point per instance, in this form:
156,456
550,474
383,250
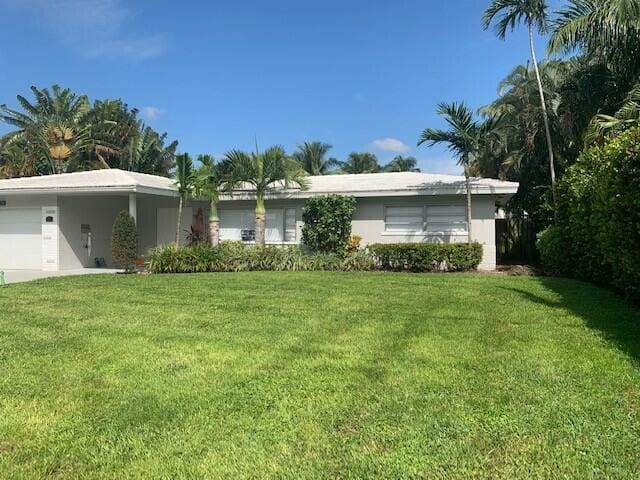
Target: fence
516,241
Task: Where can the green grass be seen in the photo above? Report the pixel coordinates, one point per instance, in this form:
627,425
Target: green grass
317,375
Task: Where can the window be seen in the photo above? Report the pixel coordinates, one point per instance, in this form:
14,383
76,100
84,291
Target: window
237,224
447,219
404,219
290,231
280,225
430,220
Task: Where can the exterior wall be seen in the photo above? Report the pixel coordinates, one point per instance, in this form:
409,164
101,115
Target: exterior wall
97,211
368,222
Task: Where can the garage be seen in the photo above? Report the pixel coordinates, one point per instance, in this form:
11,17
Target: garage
20,239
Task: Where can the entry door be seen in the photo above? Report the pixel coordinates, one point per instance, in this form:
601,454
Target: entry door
167,222
20,239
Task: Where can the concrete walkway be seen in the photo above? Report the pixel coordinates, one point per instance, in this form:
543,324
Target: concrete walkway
15,276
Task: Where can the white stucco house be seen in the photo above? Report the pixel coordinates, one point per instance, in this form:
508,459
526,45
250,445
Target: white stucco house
62,222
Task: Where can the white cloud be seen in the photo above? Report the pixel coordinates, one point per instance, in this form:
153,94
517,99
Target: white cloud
96,28
390,145
150,112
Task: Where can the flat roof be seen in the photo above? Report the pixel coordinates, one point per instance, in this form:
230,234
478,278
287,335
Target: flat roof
359,185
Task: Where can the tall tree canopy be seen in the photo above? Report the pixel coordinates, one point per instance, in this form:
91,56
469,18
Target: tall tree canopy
59,131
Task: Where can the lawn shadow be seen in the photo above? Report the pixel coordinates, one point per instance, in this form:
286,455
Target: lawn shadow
616,320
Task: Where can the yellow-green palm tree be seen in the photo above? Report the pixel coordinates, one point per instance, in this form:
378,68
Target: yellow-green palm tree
263,172
209,182
184,180
533,13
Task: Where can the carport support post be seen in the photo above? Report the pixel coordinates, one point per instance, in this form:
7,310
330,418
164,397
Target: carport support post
133,207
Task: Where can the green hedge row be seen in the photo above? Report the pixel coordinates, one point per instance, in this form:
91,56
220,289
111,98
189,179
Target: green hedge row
427,257
597,233
236,257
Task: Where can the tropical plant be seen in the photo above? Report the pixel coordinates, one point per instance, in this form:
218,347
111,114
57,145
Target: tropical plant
509,14
360,163
184,180
263,172
62,132
209,182
313,158
327,222
465,138
402,164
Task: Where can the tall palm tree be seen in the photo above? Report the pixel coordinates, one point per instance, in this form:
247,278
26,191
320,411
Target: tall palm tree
360,163
313,158
209,182
509,14
465,138
402,164
262,172
184,180
605,29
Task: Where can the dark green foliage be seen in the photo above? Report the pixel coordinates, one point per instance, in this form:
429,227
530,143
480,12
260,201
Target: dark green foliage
327,222
427,257
124,241
236,257
598,233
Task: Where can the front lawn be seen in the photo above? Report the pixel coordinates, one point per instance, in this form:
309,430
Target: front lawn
317,375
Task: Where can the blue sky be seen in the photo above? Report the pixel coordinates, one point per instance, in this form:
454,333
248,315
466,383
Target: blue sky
360,75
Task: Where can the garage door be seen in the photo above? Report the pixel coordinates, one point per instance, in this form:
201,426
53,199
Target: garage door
20,239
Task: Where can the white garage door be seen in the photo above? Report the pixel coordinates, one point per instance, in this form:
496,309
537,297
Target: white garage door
20,239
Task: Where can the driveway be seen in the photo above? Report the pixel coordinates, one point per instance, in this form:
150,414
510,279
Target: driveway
15,276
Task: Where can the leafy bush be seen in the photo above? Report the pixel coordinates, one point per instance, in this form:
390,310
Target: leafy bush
597,236
235,257
427,257
327,223
124,241
353,245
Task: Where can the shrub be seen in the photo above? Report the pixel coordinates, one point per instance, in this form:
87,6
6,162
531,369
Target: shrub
597,236
327,223
235,257
427,257
124,241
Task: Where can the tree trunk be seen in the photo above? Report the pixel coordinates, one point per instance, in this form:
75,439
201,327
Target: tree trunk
468,188
545,117
260,221
179,219
214,225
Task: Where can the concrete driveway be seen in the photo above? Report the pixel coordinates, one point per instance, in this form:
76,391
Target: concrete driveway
15,276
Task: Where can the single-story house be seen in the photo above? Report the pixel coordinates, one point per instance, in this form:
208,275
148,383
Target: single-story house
59,222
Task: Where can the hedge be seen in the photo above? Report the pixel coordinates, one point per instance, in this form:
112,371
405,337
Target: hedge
236,257
427,257
597,234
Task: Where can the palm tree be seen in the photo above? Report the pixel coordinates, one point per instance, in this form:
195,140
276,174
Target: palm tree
313,158
209,182
534,14
263,171
465,138
184,180
360,163
402,164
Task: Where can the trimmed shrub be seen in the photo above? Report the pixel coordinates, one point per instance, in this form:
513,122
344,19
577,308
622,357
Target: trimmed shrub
124,242
597,235
235,257
327,223
427,257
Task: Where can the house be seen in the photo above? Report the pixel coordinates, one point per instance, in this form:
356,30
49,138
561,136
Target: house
60,222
